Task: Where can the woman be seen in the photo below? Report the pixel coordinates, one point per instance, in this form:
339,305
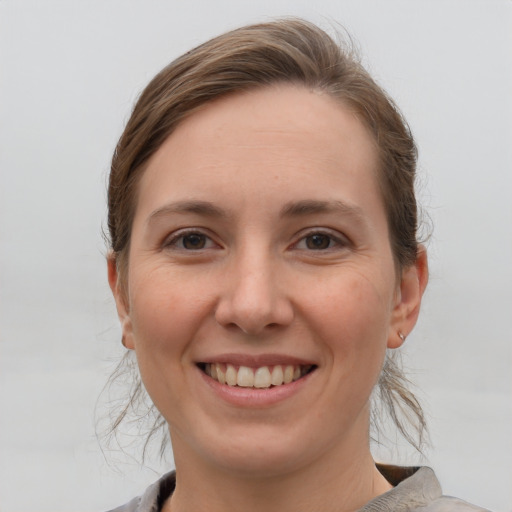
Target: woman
264,265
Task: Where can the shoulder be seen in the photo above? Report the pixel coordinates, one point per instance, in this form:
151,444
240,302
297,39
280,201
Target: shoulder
153,497
416,489
131,506
451,504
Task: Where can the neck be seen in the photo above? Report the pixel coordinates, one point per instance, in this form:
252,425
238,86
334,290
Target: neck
330,485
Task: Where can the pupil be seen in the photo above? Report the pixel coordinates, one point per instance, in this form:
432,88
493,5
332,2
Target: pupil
194,241
318,242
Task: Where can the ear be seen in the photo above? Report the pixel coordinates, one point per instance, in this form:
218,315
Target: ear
408,301
114,280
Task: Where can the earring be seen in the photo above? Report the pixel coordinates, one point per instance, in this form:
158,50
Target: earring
401,335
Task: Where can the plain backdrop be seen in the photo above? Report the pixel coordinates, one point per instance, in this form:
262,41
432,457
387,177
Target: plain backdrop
69,74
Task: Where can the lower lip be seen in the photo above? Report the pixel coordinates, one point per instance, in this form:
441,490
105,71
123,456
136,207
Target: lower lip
255,397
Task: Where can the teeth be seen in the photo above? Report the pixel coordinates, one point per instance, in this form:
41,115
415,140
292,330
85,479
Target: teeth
245,377
231,375
221,375
288,374
277,375
262,377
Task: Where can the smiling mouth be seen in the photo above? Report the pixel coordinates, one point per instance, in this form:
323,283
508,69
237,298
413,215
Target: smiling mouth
262,377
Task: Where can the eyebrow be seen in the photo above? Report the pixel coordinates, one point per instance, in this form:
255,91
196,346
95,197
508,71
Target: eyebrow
204,208
292,209
311,206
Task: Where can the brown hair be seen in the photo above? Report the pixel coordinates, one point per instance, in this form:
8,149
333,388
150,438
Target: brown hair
284,51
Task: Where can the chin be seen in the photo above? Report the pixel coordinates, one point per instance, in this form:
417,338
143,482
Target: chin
261,462
260,452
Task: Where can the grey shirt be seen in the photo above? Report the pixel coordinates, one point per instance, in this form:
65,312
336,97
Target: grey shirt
415,489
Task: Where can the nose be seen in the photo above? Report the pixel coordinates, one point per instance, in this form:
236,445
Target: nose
254,297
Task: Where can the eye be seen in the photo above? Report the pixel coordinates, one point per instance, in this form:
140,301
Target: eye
320,242
190,241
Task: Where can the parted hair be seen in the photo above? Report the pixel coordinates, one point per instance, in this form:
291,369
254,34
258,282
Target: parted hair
285,51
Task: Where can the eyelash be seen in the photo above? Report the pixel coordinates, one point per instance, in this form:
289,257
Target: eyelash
335,241
174,241
178,239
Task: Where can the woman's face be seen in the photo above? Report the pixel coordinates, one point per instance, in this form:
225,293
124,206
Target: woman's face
260,256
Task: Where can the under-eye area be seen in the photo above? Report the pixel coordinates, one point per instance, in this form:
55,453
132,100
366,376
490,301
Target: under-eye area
261,377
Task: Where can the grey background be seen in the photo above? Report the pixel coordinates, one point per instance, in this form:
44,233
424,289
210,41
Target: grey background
69,73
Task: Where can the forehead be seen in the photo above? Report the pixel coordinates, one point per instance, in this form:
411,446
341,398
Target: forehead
301,139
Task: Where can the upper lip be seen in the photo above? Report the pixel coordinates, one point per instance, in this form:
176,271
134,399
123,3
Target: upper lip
256,361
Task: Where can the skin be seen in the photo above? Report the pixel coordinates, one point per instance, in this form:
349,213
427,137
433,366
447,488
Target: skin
254,180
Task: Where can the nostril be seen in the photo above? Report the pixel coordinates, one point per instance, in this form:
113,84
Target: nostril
253,311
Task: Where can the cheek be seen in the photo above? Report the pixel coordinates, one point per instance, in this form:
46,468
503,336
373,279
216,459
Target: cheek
162,305
164,313
352,320
161,326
